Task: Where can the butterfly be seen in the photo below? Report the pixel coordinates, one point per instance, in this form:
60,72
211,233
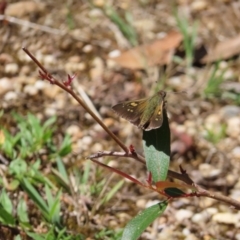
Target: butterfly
146,113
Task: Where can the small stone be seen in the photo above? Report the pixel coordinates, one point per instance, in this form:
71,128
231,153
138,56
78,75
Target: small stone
10,96
49,60
113,224
180,203
84,142
212,121
97,147
166,234
209,171
230,179
95,13
50,112
30,89
186,232
204,216
123,217
87,48
114,53
191,128
74,59
141,203
87,140
227,218
198,217
73,129
96,127
51,91
99,3
183,214
229,111
98,68
11,68
199,5
233,127
40,85
236,152
206,202
108,122
5,85
175,81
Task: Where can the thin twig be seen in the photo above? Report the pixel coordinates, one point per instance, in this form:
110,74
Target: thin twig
118,154
205,193
32,25
183,176
78,99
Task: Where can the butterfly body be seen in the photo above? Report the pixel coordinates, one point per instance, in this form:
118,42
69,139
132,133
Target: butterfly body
146,113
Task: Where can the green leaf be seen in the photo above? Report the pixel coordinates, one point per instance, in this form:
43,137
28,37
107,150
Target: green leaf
35,126
49,196
18,167
125,27
66,146
18,237
49,122
62,170
86,173
6,217
156,145
22,211
35,196
54,209
138,224
6,201
36,236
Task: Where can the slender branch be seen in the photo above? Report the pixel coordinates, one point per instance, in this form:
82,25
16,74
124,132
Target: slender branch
183,176
36,26
205,193
118,154
52,80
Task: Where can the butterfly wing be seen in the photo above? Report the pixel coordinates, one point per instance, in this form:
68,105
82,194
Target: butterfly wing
156,119
131,110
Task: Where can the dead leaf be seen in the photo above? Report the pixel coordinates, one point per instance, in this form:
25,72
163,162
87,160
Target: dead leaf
223,50
159,52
